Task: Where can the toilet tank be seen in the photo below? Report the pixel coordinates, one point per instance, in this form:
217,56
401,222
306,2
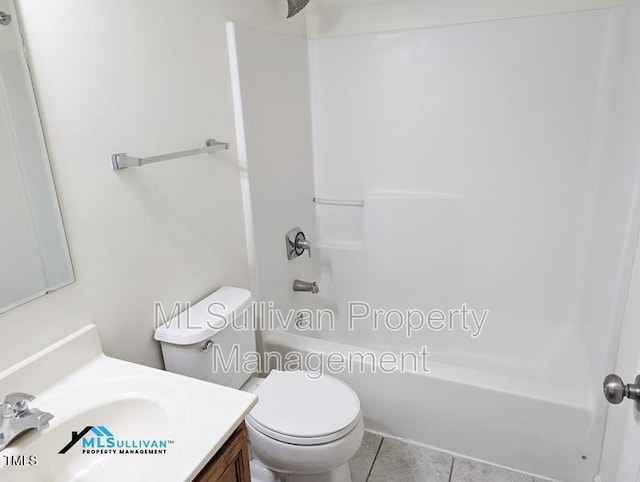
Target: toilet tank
210,339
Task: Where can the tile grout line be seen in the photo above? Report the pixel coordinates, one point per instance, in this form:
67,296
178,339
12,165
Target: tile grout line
453,461
374,459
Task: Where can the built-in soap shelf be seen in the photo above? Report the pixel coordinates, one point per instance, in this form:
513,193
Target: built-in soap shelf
339,202
340,246
343,229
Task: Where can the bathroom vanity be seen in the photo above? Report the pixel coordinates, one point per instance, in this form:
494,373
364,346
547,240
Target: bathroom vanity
231,463
115,420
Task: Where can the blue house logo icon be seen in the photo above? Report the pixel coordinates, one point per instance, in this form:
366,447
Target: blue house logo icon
100,431
98,438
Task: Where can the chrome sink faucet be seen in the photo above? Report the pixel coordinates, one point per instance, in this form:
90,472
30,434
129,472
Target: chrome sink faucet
16,417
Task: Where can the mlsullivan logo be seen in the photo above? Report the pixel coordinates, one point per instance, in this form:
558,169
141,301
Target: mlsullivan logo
98,439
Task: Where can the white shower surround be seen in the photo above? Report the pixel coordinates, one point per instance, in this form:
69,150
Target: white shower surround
498,164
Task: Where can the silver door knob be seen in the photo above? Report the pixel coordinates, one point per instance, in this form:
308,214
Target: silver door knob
615,390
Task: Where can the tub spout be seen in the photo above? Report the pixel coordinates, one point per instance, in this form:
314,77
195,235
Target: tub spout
299,285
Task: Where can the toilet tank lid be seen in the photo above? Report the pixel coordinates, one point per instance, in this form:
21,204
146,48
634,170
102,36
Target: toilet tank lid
204,319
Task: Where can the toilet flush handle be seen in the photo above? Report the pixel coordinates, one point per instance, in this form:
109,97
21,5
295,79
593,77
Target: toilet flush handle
207,346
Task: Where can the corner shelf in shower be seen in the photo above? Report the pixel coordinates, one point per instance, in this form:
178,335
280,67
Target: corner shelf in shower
339,202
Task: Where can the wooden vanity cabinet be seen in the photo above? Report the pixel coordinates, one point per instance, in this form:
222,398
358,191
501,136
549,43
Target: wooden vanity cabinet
231,463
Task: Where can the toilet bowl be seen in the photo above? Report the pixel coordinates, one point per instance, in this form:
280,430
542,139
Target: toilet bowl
304,428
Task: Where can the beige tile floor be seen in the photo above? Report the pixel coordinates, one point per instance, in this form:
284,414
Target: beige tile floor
383,459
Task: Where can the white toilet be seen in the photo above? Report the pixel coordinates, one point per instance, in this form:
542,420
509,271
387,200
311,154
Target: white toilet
305,427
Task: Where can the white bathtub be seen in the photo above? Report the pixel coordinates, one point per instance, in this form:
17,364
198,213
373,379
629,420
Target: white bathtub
542,429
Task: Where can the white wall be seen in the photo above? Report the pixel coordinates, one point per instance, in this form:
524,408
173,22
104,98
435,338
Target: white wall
274,120
480,152
498,164
143,77
327,18
625,145
615,184
477,150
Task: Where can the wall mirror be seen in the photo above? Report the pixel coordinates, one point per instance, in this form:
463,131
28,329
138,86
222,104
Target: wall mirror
34,258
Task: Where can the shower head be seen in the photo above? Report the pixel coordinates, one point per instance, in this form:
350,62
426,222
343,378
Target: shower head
295,6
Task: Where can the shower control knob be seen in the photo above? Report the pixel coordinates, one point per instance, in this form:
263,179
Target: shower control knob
297,243
615,390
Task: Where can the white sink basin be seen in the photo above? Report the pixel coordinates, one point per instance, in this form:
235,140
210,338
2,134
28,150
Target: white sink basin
147,424
127,418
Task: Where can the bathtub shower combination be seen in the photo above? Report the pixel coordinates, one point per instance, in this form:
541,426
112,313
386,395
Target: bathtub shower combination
491,164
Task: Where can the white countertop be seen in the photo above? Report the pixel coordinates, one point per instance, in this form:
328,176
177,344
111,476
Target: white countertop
82,387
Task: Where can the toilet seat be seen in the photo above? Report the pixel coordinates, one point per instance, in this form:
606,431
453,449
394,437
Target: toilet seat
302,408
